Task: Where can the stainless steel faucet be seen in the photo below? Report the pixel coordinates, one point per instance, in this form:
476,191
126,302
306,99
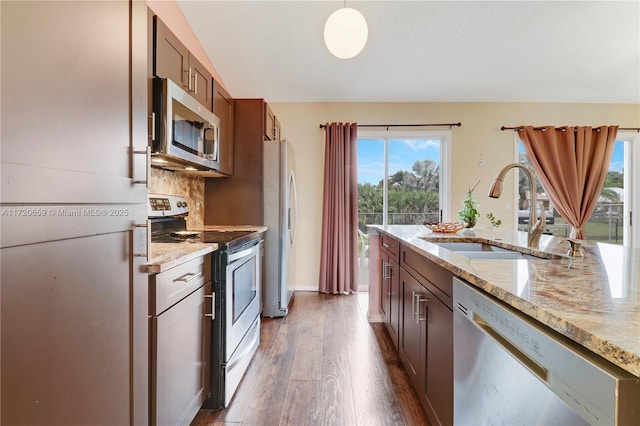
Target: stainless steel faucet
535,226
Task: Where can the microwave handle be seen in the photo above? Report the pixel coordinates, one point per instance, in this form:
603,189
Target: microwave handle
216,145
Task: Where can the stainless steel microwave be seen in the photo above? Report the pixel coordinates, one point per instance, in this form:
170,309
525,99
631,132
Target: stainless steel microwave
185,135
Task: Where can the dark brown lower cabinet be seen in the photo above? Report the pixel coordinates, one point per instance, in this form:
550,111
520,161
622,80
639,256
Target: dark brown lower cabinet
426,346
390,287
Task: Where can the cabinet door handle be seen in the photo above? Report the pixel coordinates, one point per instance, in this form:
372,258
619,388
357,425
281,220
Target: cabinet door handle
189,79
146,225
421,300
389,274
195,83
147,179
211,296
413,303
385,245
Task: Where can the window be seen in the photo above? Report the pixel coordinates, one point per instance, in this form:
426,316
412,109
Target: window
402,177
610,221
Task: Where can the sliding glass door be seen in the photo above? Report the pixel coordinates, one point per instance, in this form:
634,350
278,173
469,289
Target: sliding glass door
402,177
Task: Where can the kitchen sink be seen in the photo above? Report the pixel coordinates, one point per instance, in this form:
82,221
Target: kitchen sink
482,250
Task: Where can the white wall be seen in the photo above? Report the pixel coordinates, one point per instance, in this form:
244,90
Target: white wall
479,137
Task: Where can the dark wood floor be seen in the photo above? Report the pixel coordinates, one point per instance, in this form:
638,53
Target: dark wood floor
323,364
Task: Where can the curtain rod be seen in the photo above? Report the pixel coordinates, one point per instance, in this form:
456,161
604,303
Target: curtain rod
519,128
322,126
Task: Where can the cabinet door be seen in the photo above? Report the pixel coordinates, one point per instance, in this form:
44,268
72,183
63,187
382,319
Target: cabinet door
390,296
200,82
385,289
439,374
80,148
242,192
269,122
223,109
395,301
412,337
276,128
171,56
66,334
181,359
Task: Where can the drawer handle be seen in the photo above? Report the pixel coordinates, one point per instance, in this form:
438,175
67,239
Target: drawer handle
387,245
189,276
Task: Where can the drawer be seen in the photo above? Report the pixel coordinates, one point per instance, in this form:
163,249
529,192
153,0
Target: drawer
173,285
436,278
390,245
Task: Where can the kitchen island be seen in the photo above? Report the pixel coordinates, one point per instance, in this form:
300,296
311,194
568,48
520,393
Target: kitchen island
594,300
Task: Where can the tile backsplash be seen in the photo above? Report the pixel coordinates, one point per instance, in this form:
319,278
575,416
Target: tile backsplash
188,186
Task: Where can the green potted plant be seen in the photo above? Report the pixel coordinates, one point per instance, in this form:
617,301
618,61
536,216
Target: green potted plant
469,214
495,222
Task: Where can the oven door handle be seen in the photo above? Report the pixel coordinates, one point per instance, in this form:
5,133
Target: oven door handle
244,253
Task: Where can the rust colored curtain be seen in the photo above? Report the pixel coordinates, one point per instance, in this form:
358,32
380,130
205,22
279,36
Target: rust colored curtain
572,164
339,244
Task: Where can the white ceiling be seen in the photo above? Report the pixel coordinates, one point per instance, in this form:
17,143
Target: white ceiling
427,51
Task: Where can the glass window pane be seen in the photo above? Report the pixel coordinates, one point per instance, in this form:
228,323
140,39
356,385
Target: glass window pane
413,181
370,182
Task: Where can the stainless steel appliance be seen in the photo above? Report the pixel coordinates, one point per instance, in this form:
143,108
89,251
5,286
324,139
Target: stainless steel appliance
509,369
280,215
235,292
185,135
237,272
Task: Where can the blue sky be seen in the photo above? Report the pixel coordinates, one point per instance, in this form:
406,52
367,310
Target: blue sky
617,160
403,153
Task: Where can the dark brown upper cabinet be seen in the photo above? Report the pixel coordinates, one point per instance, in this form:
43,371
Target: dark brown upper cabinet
223,109
271,124
173,60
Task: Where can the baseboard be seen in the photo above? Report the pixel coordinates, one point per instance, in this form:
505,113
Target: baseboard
361,288
375,317
306,288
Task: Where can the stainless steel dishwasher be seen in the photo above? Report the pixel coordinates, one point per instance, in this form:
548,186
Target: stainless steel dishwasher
511,370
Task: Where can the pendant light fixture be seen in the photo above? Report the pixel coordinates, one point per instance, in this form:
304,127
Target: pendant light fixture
345,32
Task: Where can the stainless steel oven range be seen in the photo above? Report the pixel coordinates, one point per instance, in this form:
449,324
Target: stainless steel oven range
237,279
236,273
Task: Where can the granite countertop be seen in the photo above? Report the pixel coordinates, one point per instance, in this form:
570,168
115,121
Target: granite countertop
165,256
594,301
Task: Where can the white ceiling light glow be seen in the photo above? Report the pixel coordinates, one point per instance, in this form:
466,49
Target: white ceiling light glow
345,33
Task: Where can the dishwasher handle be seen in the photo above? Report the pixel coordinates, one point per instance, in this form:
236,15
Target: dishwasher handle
540,371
